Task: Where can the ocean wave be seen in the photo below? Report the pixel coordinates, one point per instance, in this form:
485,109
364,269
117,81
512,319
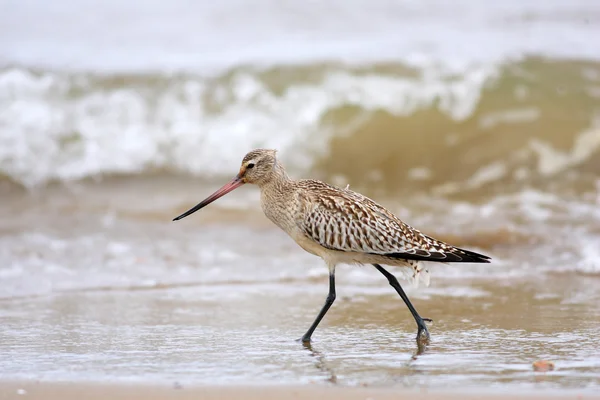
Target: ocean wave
387,123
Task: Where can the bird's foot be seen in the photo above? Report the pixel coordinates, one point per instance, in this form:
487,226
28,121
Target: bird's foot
304,339
305,342
422,331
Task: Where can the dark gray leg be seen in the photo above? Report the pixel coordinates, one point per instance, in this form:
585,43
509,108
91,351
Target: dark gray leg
328,302
422,332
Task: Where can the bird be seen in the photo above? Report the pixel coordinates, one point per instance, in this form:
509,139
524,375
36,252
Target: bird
341,226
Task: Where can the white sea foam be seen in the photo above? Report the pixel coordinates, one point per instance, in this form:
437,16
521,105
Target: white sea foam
552,161
64,127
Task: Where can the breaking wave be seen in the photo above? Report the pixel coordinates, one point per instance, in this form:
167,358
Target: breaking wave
529,121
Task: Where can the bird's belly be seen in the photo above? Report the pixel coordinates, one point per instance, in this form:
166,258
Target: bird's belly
331,257
310,245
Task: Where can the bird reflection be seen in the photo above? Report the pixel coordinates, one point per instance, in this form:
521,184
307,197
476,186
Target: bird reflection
321,363
331,377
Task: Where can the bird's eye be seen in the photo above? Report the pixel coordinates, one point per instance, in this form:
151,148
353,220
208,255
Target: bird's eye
250,165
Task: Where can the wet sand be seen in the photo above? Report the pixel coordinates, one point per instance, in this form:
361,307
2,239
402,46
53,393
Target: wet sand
66,391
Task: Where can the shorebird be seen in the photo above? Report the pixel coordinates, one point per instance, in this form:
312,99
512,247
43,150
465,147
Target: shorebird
341,226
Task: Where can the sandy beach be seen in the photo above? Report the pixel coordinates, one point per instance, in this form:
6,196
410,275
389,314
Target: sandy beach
66,391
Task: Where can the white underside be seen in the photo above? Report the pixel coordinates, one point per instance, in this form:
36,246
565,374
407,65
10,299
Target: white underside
415,272
414,275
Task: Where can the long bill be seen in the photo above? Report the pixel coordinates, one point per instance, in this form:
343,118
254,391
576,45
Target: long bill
234,184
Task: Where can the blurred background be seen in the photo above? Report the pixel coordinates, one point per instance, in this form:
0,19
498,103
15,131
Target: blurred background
476,122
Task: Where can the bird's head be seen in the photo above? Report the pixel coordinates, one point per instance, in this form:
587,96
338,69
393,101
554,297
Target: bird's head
257,168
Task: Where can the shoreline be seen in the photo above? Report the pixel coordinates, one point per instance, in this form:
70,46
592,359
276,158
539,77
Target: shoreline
94,390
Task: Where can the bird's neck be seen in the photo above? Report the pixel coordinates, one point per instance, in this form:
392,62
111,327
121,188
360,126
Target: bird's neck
275,195
277,180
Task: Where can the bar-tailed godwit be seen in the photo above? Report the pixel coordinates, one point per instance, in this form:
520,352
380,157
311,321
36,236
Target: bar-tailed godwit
341,226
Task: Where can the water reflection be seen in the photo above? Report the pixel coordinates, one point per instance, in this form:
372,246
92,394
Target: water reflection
321,363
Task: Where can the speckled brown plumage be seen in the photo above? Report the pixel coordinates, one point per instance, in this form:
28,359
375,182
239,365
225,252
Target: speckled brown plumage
343,220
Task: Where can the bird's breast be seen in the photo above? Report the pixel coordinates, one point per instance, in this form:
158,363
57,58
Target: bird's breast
280,210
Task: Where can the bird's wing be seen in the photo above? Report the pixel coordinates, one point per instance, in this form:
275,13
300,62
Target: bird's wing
344,220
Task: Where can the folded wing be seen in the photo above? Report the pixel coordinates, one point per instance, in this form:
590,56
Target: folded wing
343,220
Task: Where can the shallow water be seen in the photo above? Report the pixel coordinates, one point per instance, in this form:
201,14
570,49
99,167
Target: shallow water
107,291
240,333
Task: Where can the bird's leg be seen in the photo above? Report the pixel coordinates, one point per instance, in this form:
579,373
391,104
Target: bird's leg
328,302
422,332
